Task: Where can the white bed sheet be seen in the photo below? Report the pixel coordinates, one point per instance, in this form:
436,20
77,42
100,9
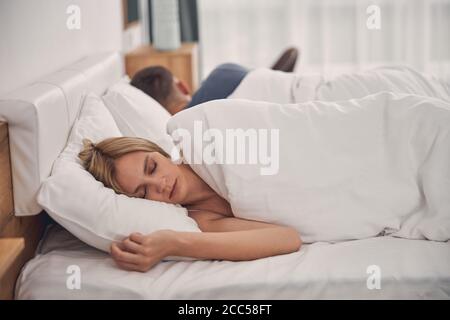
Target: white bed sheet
410,269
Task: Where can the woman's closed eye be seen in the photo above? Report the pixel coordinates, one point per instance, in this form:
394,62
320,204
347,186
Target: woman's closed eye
150,166
150,170
154,168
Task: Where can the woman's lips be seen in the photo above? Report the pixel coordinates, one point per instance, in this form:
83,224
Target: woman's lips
173,189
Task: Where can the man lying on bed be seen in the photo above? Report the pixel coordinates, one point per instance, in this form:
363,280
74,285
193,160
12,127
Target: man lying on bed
172,93
274,85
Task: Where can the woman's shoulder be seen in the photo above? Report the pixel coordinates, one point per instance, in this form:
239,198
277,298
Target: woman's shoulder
216,206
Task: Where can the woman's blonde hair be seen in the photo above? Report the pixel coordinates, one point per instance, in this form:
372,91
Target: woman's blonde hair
98,158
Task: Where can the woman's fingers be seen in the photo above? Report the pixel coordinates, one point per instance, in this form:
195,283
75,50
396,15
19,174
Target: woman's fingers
132,267
132,246
134,253
137,237
118,253
127,266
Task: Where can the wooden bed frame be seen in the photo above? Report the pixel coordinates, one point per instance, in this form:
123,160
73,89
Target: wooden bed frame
19,236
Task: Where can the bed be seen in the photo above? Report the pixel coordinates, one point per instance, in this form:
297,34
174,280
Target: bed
375,268
409,270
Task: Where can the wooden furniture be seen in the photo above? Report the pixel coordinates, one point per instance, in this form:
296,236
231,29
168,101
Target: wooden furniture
19,236
181,62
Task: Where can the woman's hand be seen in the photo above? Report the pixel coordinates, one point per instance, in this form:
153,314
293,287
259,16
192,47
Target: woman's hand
141,252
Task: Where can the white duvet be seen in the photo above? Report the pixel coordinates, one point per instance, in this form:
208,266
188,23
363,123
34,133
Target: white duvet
346,170
281,87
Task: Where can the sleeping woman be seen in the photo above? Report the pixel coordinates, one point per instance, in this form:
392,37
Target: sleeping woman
139,168
347,170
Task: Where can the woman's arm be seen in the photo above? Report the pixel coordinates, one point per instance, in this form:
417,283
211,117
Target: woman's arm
237,245
223,238
230,238
215,222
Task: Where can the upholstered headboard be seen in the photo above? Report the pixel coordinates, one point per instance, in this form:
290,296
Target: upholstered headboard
40,117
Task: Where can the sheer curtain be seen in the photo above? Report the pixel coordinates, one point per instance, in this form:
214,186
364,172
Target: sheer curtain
332,34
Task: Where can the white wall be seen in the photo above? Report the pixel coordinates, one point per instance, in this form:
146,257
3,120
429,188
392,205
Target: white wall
34,38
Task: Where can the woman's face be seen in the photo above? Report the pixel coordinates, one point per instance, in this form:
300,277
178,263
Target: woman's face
150,175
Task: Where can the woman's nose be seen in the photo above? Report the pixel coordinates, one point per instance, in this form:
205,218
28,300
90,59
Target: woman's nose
157,183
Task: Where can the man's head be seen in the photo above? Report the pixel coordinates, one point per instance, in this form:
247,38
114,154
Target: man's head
161,85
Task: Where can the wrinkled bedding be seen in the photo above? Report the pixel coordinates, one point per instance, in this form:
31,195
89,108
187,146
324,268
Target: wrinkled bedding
340,170
408,269
280,87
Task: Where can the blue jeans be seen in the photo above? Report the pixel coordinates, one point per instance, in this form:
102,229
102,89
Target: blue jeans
220,83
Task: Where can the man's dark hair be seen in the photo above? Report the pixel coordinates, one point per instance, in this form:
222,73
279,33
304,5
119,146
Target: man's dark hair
154,81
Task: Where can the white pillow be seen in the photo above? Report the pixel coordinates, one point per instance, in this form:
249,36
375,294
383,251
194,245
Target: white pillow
90,211
138,115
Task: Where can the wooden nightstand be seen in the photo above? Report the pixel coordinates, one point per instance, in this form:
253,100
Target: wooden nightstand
181,62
